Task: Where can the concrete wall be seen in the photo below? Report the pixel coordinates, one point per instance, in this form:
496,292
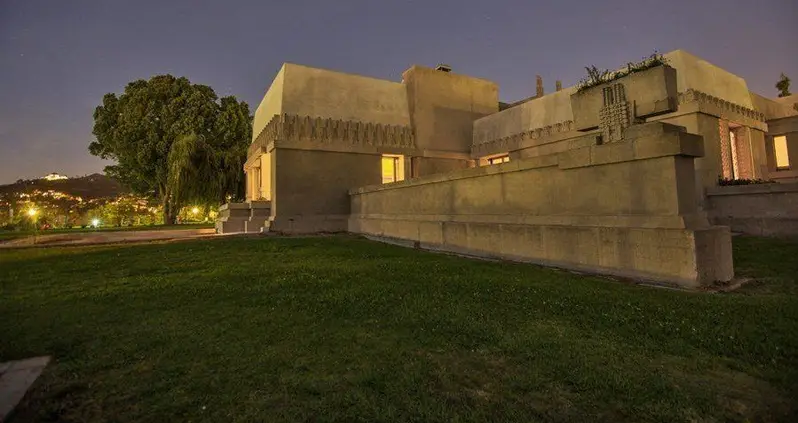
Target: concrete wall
424,166
310,189
762,209
626,208
696,73
537,113
444,105
307,91
272,103
329,94
774,108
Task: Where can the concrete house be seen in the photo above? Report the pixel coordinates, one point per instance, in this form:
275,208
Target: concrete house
621,178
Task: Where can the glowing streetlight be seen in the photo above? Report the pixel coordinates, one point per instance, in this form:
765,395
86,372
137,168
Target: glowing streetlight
194,210
32,212
95,222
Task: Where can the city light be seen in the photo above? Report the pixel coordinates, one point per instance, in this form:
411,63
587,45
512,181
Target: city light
32,212
95,222
195,210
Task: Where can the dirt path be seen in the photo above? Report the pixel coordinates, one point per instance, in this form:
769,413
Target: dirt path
85,238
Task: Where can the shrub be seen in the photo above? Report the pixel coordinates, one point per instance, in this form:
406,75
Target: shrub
727,182
596,76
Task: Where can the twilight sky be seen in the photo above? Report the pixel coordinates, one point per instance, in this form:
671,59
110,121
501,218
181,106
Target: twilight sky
58,58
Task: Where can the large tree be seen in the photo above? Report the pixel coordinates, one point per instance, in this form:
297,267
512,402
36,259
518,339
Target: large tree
174,140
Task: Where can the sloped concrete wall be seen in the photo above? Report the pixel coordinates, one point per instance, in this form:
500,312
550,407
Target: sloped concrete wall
626,208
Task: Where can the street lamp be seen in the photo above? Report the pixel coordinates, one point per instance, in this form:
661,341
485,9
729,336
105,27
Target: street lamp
95,222
195,210
32,212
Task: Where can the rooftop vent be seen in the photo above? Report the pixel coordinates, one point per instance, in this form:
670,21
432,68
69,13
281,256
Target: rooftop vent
443,68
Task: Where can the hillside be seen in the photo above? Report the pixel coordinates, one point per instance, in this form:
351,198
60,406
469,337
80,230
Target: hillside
88,187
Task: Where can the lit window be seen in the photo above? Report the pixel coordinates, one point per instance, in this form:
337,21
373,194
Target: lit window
393,168
500,159
780,148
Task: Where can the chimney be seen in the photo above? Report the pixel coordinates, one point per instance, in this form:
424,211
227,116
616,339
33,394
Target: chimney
558,85
539,84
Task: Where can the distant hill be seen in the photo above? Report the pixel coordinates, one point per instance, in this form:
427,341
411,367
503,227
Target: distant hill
90,187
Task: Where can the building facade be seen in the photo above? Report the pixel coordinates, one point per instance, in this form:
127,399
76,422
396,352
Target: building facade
573,179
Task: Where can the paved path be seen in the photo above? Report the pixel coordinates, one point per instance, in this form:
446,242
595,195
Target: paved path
15,379
107,237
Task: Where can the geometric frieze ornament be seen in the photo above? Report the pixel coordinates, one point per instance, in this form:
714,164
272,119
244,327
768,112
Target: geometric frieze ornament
514,141
615,113
692,95
305,128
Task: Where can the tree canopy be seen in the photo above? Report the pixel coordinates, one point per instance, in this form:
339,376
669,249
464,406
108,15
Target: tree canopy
783,86
174,141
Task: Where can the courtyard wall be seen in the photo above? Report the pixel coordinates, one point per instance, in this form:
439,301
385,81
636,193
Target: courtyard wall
760,209
626,208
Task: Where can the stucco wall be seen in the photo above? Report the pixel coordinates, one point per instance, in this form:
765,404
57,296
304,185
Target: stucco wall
307,91
444,105
538,113
774,108
310,191
328,94
762,209
623,208
693,72
432,165
270,105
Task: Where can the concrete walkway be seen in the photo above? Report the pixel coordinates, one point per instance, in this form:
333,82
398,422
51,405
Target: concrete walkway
15,379
107,237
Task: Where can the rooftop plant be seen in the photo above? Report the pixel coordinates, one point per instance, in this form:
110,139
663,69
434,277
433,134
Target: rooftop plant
596,76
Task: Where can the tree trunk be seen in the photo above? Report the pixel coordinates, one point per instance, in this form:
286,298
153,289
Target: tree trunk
169,217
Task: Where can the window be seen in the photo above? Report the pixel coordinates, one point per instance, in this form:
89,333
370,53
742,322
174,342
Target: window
780,149
498,160
393,168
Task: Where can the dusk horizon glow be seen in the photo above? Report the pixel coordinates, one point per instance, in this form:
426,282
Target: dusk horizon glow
60,58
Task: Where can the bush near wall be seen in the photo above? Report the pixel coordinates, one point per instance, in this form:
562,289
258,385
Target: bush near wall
728,182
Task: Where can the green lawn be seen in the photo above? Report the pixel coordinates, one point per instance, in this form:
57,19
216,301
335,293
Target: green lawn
9,235
345,329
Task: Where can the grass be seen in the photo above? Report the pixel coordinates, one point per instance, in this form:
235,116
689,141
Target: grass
345,329
9,235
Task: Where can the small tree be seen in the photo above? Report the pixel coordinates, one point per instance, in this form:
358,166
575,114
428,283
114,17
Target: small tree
783,86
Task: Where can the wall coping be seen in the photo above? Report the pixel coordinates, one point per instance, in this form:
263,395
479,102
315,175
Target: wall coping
770,188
